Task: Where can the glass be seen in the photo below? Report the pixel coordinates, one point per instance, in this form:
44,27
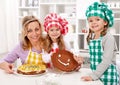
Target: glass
49,79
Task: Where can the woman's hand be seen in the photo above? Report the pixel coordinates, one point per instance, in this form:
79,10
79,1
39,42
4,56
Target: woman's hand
86,78
7,67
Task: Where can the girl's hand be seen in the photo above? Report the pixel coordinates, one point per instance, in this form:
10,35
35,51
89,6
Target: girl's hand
7,67
79,59
86,78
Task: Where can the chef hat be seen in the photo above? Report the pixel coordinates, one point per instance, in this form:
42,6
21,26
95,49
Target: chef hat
101,10
53,19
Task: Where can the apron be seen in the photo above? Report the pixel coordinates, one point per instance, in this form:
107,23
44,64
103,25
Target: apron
34,58
53,50
110,76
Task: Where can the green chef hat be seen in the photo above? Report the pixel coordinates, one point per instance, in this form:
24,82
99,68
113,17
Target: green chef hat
101,10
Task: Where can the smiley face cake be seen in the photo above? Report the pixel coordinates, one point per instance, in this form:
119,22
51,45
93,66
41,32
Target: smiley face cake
64,61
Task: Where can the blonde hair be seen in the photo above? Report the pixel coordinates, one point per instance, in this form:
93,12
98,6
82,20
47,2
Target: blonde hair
49,43
26,44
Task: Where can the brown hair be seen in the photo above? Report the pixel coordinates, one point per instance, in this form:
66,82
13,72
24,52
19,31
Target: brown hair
26,44
48,43
91,36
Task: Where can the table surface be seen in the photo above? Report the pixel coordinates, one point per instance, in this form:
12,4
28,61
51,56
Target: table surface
72,78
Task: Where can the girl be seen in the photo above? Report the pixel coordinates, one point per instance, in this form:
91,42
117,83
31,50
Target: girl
29,49
102,45
56,27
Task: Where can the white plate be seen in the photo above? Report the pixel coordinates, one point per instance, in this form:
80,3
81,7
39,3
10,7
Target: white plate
15,72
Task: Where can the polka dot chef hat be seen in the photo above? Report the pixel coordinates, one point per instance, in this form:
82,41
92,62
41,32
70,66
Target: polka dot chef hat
53,19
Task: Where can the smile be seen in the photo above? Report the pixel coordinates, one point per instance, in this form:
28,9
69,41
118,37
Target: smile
65,64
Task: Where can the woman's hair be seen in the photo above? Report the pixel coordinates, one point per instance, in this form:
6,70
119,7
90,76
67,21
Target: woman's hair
91,36
49,43
26,44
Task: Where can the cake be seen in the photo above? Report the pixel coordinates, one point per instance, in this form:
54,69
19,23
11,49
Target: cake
31,69
63,60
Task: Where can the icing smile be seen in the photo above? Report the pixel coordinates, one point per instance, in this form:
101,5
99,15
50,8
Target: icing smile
65,64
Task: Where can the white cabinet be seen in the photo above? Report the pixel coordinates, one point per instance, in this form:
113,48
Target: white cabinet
74,12
115,30
81,23
27,7
65,8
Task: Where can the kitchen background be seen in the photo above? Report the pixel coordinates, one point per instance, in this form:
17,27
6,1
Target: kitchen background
12,12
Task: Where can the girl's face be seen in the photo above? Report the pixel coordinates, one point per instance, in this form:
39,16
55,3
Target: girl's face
54,33
96,24
34,32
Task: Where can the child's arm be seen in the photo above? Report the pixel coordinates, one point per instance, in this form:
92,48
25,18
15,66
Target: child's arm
86,78
46,57
80,61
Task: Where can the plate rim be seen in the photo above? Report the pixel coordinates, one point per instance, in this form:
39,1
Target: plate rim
15,72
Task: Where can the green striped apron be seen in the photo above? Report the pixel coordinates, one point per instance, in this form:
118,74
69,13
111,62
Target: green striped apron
110,76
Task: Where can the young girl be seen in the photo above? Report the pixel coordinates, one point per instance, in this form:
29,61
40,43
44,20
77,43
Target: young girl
56,27
102,45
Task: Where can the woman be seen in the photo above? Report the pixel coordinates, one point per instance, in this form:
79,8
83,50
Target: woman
29,49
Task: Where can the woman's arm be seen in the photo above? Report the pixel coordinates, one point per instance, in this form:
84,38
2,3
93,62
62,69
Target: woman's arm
7,67
12,56
6,62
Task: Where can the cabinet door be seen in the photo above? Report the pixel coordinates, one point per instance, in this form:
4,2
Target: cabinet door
115,30
27,7
82,31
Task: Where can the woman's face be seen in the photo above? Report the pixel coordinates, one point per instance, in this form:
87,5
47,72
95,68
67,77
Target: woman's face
54,33
96,24
34,32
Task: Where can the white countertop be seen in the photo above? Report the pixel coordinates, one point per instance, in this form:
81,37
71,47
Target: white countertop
73,78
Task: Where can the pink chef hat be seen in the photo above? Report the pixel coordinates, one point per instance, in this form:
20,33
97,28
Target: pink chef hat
53,19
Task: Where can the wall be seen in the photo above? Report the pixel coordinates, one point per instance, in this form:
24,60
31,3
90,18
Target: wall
11,21
82,6
8,25
3,33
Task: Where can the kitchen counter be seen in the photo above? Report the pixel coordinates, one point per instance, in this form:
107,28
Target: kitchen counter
72,78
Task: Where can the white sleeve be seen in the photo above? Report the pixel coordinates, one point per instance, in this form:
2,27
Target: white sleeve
67,45
46,57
